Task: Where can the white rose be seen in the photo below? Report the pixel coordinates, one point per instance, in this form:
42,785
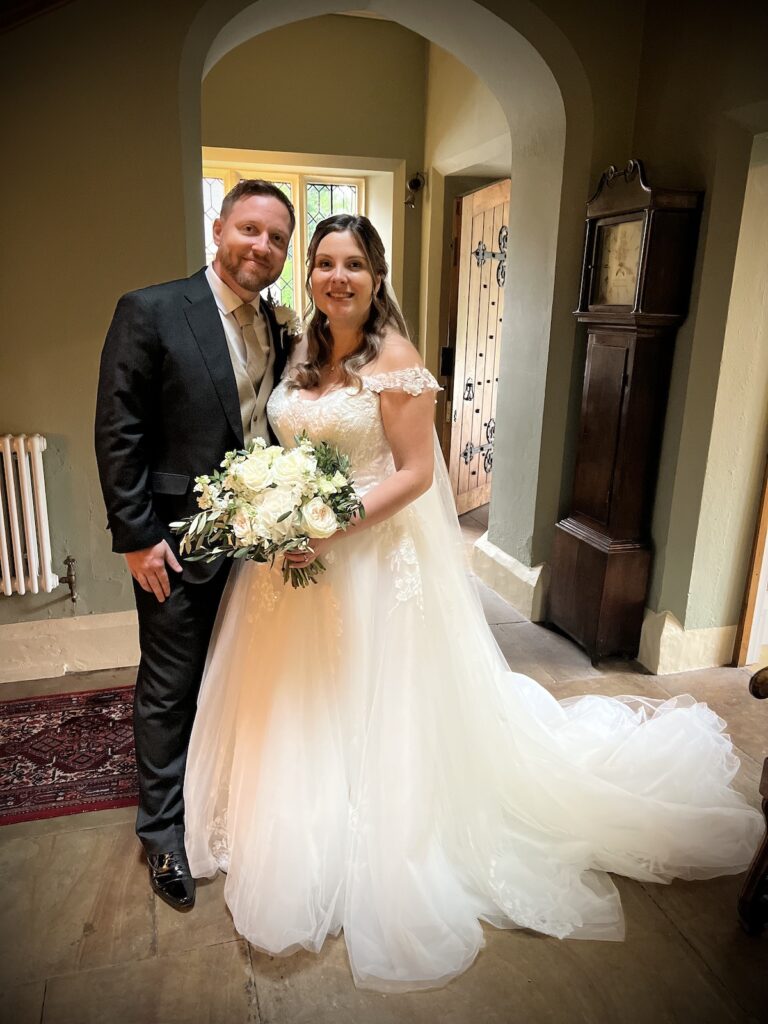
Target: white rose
274,504
319,519
294,468
254,473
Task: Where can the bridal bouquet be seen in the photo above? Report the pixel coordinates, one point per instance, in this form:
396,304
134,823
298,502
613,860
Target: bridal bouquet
266,501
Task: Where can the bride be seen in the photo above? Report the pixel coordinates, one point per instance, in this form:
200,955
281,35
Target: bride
363,758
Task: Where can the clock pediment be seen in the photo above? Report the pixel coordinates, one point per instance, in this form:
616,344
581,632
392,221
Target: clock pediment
638,252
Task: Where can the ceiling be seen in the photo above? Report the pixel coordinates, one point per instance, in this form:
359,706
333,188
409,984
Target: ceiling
17,12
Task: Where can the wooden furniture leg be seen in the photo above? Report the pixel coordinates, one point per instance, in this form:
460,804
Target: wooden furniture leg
753,899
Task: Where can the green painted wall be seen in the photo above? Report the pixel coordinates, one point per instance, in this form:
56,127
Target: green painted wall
703,68
738,442
93,208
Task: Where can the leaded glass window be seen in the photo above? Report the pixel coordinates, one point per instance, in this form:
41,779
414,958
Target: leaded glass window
213,196
325,198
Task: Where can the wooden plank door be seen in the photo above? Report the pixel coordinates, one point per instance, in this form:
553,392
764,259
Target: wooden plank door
479,313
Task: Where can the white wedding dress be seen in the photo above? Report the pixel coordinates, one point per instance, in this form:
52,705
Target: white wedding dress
363,758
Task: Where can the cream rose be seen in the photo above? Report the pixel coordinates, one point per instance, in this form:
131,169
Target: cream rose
294,469
243,529
319,519
254,473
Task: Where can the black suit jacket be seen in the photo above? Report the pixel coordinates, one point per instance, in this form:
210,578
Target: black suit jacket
167,409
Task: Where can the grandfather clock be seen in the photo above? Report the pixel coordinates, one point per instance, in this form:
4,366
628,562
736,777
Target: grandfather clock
635,283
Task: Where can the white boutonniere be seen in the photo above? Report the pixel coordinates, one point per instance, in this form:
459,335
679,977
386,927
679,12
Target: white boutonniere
288,319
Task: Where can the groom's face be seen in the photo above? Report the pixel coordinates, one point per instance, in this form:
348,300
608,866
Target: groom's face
252,244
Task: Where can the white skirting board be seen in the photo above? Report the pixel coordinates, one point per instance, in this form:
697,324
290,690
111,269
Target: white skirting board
665,647
522,586
44,648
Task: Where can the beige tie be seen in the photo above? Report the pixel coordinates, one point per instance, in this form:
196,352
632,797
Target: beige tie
255,349
253,381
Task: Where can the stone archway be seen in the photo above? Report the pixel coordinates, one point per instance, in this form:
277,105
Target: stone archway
540,84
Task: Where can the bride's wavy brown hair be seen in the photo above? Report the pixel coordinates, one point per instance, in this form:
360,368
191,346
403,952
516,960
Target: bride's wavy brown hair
383,312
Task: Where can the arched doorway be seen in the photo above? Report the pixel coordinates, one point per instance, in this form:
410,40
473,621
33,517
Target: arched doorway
550,174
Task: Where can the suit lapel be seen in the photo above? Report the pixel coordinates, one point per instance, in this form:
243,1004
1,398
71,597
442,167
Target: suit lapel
203,317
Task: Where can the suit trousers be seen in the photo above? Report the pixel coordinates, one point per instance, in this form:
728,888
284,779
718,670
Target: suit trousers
173,637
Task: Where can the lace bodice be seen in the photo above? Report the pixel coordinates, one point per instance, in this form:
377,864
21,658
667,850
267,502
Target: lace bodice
349,418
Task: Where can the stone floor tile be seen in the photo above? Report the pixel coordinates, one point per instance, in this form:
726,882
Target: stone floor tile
747,780
318,989
69,823
496,608
22,1004
729,678
652,978
617,685
705,912
212,985
481,514
654,975
476,517
612,666
209,924
70,901
74,682
532,644
726,690
519,657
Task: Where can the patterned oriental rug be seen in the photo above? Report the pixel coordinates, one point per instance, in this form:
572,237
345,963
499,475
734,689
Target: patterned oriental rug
66,753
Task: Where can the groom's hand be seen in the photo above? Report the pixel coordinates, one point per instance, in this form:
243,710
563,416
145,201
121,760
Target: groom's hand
148,568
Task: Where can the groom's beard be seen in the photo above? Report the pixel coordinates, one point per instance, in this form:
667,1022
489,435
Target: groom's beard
251,276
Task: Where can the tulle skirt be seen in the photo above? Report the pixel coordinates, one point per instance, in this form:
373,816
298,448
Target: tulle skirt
363,759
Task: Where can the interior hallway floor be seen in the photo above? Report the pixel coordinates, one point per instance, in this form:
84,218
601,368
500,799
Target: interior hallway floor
83,940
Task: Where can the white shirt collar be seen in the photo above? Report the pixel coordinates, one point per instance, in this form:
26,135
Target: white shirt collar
225,298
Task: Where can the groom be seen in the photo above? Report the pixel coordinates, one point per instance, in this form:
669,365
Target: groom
186,371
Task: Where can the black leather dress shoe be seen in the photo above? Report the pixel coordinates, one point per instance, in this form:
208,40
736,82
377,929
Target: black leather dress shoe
169,876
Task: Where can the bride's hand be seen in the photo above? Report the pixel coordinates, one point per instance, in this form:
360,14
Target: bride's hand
301,559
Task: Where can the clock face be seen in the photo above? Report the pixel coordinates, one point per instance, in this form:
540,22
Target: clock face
617,257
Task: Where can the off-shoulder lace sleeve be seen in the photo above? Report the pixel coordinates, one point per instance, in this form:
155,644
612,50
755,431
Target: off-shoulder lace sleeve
413,380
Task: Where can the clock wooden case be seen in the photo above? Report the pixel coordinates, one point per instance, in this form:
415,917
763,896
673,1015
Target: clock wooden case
636,277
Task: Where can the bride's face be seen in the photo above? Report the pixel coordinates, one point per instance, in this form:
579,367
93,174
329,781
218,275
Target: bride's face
342,282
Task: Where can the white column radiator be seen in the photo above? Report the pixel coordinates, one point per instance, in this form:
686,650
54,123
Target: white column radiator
25,541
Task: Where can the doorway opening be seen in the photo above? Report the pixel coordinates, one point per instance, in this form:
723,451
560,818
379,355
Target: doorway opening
534,82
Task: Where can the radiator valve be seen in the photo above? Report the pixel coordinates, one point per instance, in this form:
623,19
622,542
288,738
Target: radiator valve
71,578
